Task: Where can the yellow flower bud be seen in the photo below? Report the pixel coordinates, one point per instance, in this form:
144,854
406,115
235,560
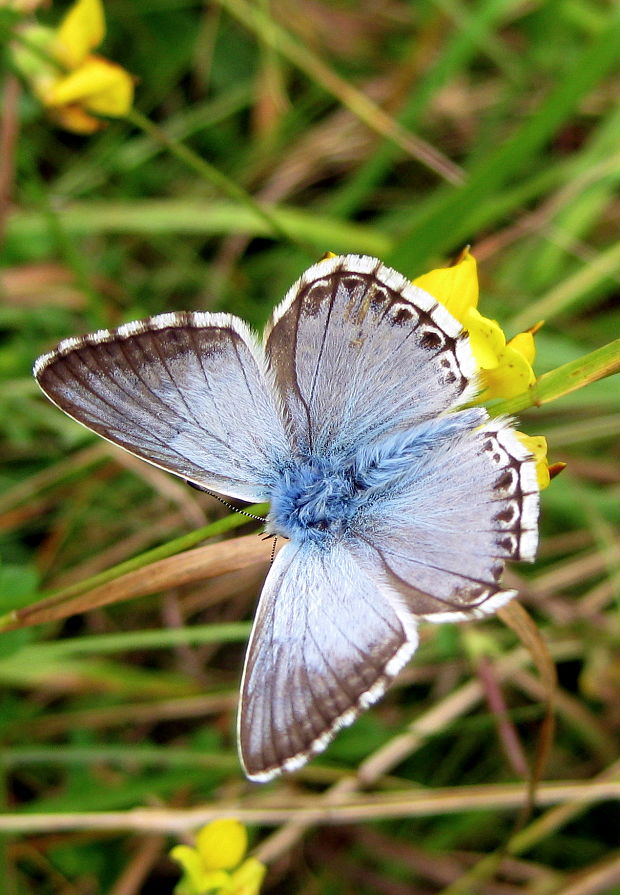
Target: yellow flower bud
222,844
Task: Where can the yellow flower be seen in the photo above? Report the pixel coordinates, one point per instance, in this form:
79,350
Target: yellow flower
456,287
505,367
209,866
71,82
81,30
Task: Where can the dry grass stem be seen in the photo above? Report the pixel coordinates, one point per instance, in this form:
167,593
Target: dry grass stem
572,796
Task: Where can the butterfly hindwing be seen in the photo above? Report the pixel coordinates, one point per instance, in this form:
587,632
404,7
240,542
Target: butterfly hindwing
443,538
326,642
188,392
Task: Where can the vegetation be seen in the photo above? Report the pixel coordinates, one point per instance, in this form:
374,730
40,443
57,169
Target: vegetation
261,136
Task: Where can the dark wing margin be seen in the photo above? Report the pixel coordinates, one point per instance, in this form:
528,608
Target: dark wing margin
326,643
188,392
352,329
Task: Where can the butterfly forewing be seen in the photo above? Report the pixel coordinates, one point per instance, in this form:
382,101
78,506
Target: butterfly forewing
358,350
187,392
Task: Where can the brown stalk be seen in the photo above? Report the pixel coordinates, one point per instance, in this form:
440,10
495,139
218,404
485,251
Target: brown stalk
199,564
569,795
9,130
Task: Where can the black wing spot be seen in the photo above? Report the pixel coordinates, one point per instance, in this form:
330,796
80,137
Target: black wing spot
402,316
430,341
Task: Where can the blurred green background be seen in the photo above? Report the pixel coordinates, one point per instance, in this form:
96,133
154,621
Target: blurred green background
401,130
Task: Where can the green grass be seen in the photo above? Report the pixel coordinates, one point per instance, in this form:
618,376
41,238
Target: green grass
263,137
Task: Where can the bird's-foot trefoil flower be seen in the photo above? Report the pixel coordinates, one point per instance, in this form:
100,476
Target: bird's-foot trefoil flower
73,84
215,865
505,367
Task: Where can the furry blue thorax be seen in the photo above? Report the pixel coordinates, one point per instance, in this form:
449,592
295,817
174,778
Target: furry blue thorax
319,499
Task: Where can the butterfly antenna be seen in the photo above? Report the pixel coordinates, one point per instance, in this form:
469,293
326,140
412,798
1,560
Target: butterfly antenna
273,549
225,502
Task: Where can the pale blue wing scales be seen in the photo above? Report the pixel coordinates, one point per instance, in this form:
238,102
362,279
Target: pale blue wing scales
443,539
188,392
357,351
327,640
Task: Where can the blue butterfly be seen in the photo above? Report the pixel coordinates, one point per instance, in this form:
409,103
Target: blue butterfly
397,505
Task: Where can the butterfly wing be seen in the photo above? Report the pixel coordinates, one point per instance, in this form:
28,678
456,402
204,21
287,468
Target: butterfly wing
188,392
442,540
357,350
326,642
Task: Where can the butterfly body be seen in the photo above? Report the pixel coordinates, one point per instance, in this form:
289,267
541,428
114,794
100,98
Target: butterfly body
316,500
322,499
398,505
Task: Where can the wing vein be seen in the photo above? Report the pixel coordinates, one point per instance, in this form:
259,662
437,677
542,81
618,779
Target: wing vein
105,425
180,391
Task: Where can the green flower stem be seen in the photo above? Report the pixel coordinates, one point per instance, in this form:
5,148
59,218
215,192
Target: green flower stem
161,756
123,641
213,176
568,378
57,598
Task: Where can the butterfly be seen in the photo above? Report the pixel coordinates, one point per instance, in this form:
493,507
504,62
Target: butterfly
399,502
